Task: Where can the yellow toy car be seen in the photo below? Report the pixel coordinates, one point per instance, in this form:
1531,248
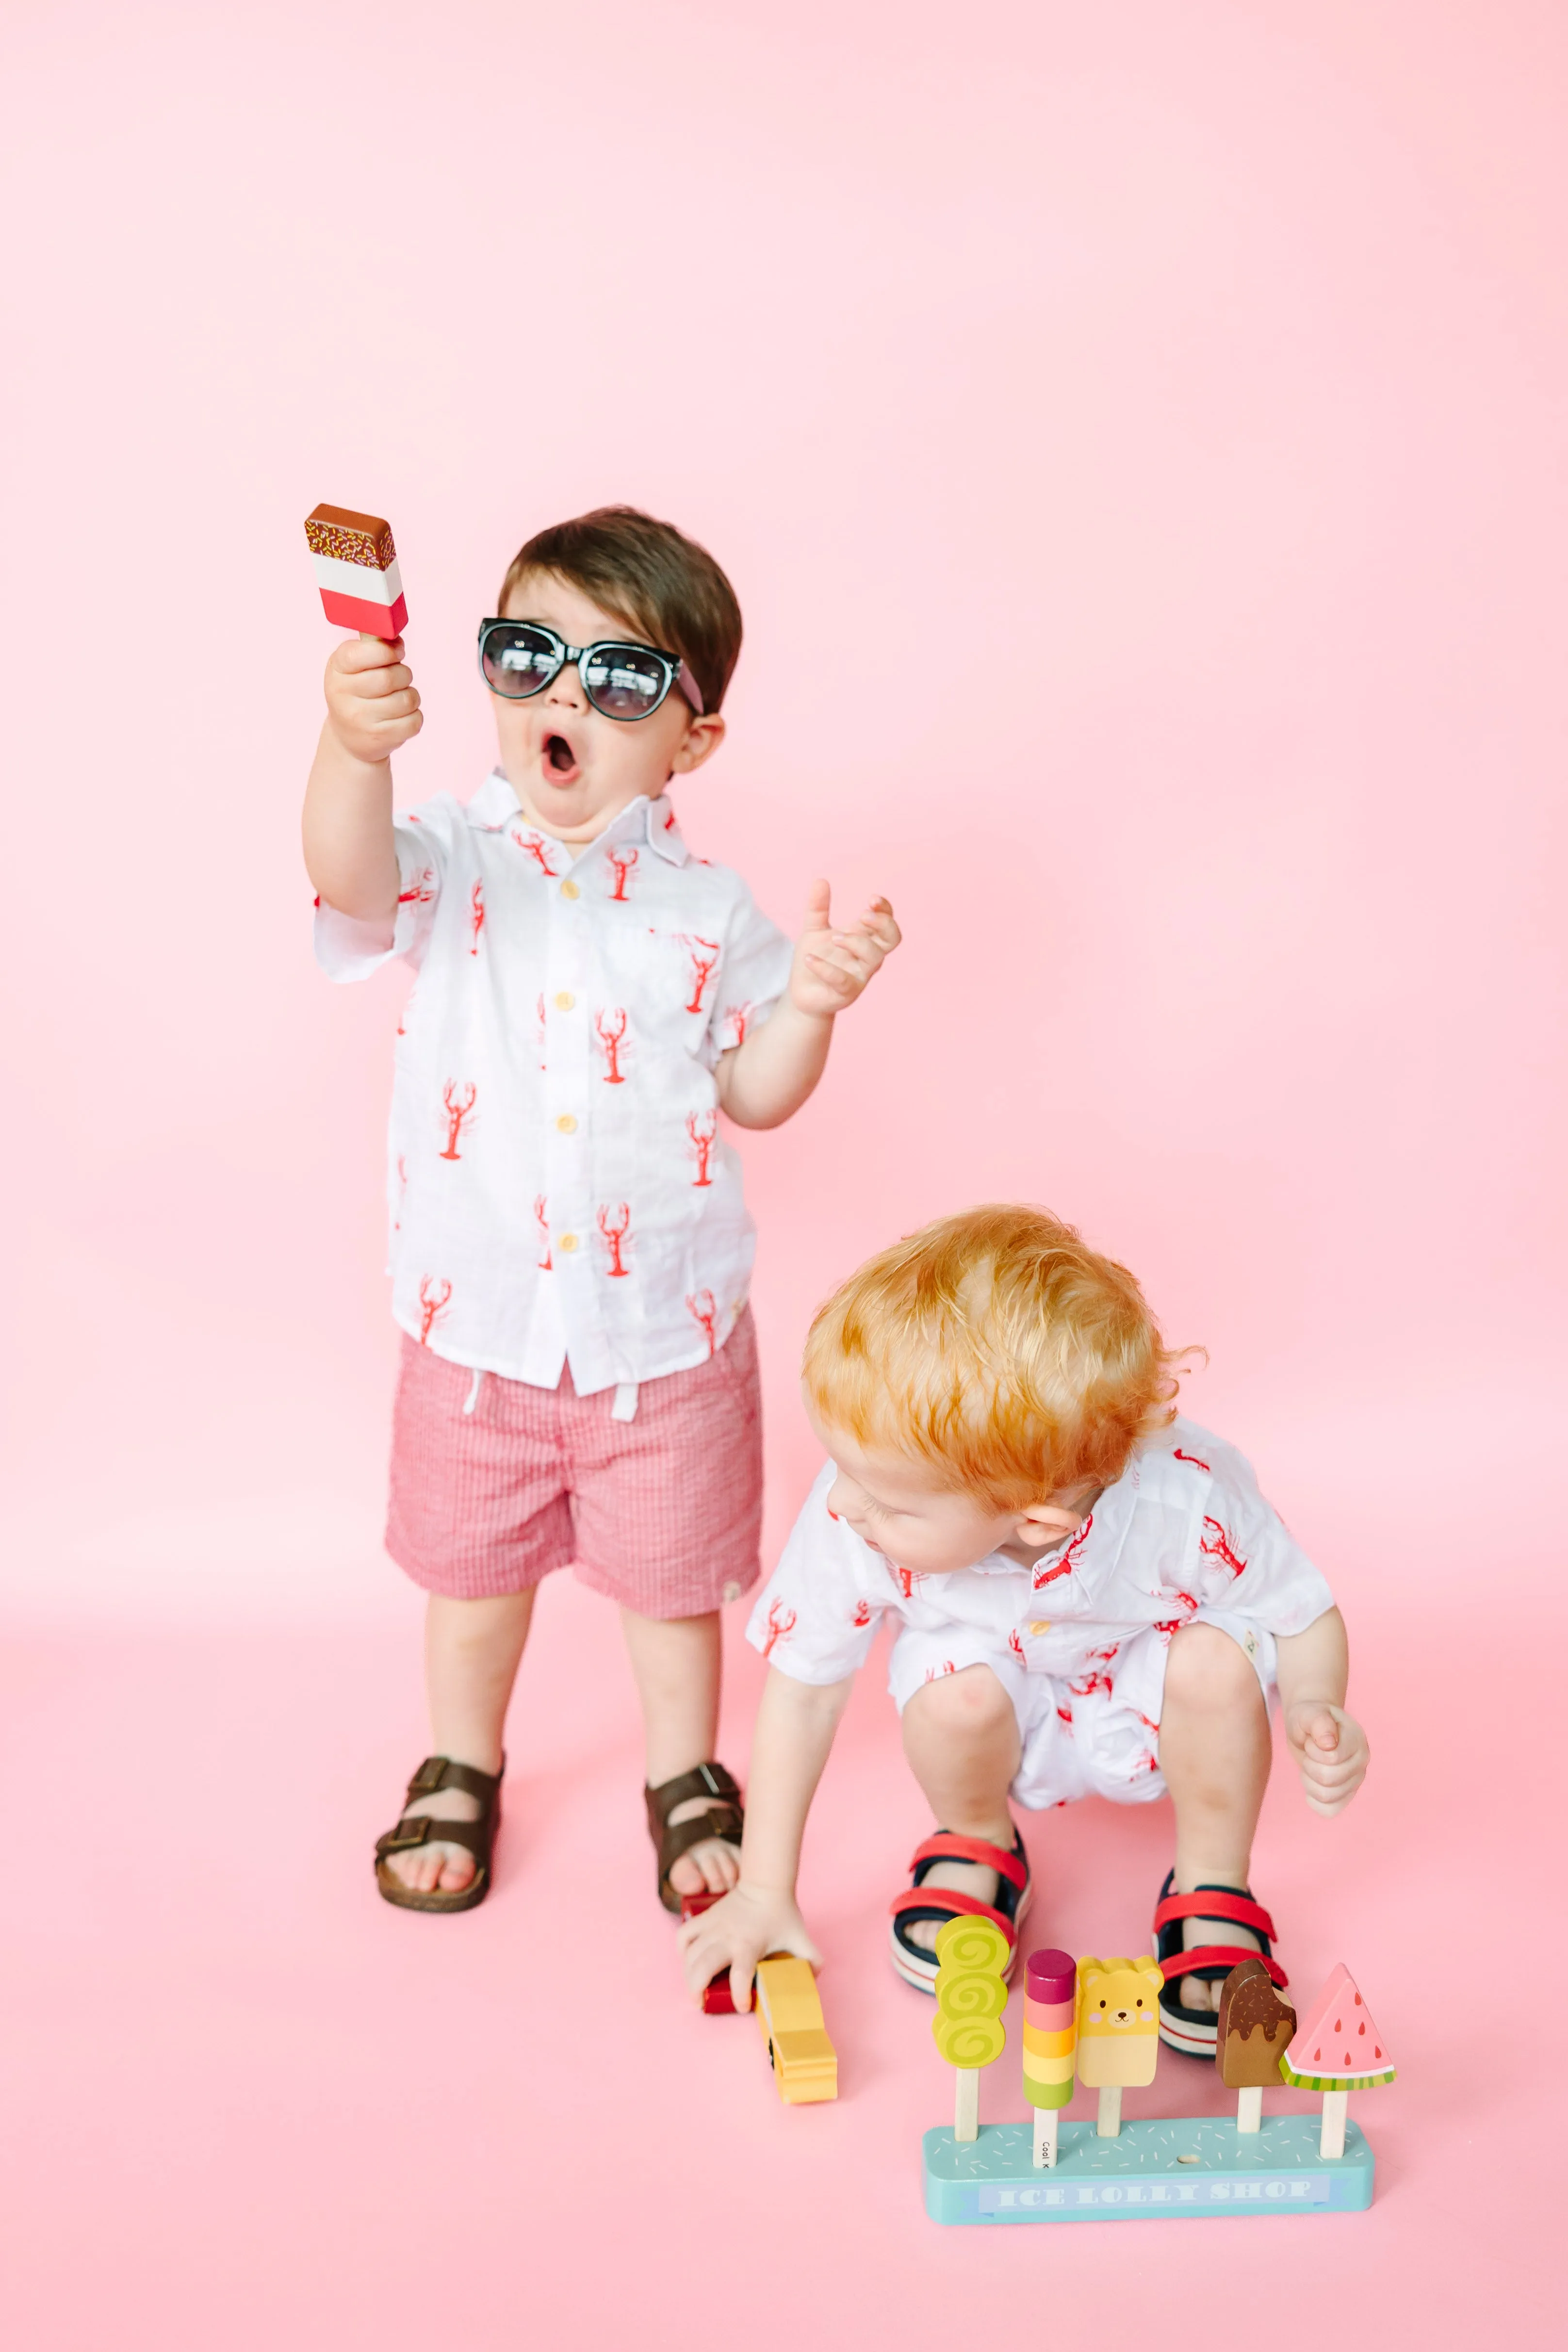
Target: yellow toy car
790,2015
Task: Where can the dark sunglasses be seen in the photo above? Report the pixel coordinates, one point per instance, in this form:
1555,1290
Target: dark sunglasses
621,678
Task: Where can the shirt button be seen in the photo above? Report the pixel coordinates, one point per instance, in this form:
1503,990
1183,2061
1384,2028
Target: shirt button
566,1123
568,1241
1039,1625
569,889
565,1001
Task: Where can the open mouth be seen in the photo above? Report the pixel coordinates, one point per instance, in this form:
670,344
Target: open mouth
560,759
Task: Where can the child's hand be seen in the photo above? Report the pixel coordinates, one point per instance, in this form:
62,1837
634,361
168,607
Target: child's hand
831,967
373,703
748,1925
1332,1750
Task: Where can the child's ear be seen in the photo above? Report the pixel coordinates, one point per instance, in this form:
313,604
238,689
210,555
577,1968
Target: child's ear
700,742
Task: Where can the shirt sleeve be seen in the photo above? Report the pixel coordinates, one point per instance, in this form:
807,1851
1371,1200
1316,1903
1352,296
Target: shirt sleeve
752,978
815,1617
349,950
1250,1565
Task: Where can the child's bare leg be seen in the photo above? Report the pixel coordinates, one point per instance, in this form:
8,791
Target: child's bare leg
961,1737
471,1654
1215,1752
677,1662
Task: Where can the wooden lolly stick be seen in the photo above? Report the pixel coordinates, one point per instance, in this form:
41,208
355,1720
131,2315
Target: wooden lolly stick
966,2103
1249,2109
1046,2122
1332,2139
1110,2124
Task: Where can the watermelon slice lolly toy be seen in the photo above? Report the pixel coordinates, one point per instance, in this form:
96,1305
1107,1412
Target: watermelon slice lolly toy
1336,2049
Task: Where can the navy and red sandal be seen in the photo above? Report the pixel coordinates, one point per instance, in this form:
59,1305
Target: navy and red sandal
1193,2031
913,1962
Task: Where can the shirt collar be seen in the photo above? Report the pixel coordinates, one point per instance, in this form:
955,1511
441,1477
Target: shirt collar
495,805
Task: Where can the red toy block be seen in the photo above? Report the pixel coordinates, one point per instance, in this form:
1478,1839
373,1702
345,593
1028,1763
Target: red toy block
716,2000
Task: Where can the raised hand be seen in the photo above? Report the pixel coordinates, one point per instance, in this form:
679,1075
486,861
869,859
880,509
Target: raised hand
1332,1751
373,703
832,967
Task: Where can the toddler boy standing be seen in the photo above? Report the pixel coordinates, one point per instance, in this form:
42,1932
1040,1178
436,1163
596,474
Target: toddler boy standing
569,1249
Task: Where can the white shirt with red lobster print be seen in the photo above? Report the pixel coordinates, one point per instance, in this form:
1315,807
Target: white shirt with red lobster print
1079,1640
559,1192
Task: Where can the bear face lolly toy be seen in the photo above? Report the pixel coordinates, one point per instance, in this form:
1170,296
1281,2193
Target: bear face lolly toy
1337,2050
356,571
1050,2038
1255,2025
1118,2031
970,1997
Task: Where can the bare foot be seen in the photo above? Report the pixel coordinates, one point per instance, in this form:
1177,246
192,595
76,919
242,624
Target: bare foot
438,1869
710,1868
1196,1992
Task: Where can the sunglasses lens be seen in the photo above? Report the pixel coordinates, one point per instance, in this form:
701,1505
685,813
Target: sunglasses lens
623,681
518,660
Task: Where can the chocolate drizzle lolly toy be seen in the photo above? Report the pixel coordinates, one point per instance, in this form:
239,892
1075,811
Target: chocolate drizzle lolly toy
970,1999
356,571
1050,2038
1337,2050
1255,2025
1118,2032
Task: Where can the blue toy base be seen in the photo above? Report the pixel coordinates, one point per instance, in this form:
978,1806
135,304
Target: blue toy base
1165,2168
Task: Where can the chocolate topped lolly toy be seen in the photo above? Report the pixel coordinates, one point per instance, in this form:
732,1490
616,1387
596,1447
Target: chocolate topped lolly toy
356,571
1118,2031
1336,2049
1050,2038
1255,2025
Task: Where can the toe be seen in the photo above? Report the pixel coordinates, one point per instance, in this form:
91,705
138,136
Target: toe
686,1875
457,1869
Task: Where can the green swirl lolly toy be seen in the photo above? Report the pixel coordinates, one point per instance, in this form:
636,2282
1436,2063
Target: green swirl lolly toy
970,1999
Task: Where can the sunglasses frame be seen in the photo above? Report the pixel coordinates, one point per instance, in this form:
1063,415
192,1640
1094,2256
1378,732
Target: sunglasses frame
676,671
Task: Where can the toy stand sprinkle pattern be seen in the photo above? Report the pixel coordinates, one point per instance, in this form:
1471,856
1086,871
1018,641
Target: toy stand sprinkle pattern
1161,2169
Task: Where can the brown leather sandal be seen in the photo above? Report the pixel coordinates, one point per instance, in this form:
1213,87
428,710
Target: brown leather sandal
722,1819
477,1837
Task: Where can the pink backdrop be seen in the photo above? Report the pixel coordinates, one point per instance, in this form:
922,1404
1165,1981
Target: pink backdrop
1188,380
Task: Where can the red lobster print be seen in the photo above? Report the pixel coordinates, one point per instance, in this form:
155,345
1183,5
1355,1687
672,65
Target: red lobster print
946,1667
1068,1560
1086,1684
704,957
623,860
702,1308
862,1614
1215,1544
539,852
459,1102
421,894
904,1578
476,915
737,1020
1179,1457
610,1028
433,1299
615,1227
1015,1643
542,1219
1064,1715
702,1127
1187,1603
780,1628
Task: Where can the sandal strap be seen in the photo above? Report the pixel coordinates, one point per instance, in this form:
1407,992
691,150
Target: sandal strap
427,1829
1217,1960
704,1780
1215,1903
946,1845
946,1903
439,1772
716,1821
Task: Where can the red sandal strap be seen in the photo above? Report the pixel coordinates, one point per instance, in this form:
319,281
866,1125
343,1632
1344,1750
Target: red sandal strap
1215,1903
1218,1956
931,1902
946,1846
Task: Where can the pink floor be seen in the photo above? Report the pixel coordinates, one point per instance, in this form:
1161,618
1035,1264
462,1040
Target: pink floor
247,2106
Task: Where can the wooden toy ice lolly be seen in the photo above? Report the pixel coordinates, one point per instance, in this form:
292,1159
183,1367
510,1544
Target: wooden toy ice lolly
1118,2031
970,1997
1336,2049
1050,2038
356,571
1255,2025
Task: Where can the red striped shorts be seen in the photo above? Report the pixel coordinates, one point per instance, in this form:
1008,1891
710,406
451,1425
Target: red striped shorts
662,1512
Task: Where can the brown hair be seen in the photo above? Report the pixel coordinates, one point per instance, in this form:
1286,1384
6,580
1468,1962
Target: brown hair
651,577
996,1346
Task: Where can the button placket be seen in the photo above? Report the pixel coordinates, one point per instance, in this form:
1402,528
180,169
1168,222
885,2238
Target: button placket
565,1155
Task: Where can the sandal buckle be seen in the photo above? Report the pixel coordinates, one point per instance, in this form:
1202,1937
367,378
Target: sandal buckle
431,1775
409,1833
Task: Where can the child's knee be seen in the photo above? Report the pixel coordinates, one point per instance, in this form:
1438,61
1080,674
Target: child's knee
1208,1673
965,1706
